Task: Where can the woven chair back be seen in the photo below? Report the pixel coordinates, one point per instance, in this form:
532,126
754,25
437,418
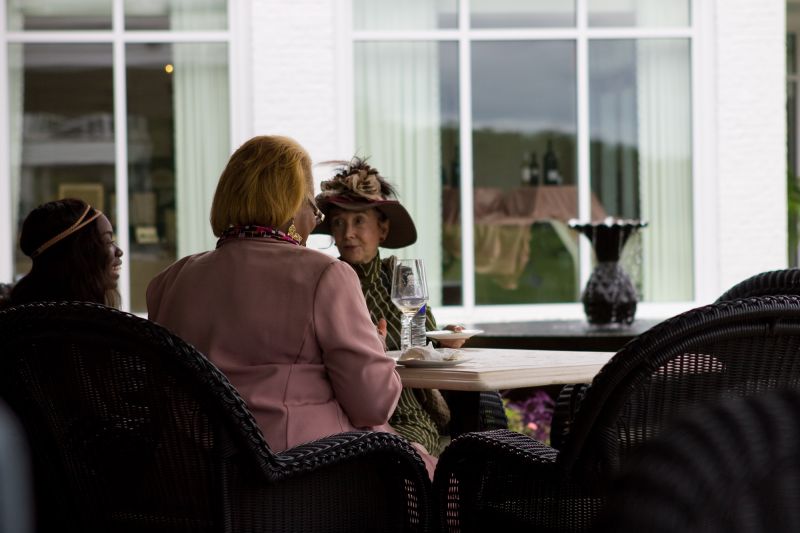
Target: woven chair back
732,467
129,425
729,349
773,283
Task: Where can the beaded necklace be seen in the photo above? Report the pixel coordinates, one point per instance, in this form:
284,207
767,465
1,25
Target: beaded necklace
253,231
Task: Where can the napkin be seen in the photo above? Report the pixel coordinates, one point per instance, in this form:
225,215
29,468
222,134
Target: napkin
429,353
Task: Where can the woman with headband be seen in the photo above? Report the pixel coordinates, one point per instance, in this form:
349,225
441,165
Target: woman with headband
75,257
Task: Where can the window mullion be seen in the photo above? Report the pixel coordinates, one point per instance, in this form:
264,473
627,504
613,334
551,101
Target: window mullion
7,242
465,140
121,150
584,168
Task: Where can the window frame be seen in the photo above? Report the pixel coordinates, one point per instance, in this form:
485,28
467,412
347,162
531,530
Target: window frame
236,36
700,33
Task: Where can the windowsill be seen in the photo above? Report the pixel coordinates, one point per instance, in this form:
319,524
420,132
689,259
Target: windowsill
567,311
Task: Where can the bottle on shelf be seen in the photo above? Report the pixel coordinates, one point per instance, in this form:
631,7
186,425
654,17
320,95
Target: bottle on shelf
455,168
525,169
550,162
535,172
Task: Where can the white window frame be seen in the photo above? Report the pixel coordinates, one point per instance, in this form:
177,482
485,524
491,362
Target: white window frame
237,37
701,35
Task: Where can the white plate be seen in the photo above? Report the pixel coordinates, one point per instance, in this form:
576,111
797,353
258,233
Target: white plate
424,363
444,334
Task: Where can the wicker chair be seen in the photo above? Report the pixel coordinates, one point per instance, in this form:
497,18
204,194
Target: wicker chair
502,480
733,468
771,283
16,509
137,431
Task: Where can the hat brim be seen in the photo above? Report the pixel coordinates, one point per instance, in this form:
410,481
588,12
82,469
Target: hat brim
402,231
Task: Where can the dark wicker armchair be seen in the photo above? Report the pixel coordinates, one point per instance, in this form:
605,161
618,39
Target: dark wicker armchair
770,283
133,430
502,480
733,467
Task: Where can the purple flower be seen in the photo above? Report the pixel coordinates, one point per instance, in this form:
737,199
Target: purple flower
536,415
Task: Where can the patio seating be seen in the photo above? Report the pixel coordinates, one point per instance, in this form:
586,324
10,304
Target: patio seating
16,511
135,430
501,480
772,283
733,467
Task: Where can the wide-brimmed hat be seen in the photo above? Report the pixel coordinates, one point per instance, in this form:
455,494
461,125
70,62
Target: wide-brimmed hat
358,187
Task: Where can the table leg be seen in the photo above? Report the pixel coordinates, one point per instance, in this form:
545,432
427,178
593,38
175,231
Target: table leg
464,411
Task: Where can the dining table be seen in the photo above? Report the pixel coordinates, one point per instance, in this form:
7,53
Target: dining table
491,369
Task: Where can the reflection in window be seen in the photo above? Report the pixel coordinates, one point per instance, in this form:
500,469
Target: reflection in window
406,15
176,15
641,155
407,124
58,15
524,167
62,128
522,13
641,13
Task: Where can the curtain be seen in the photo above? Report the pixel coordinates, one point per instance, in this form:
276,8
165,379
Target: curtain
398,127
665,165
202,129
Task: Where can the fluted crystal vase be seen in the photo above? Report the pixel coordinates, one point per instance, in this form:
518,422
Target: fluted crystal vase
609,297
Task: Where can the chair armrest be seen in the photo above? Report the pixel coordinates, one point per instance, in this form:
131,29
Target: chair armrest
341,447
566,404
505,481
355,481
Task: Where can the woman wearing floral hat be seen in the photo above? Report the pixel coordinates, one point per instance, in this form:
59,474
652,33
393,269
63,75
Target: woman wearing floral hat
362,214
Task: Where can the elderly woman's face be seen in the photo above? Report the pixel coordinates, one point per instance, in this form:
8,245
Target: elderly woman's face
358,234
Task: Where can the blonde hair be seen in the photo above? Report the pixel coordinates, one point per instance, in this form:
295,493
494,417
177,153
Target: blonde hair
265,182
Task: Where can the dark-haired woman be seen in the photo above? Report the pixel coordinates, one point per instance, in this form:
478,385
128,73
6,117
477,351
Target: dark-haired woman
75,257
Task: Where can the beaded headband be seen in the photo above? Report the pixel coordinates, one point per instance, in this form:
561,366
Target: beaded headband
80,223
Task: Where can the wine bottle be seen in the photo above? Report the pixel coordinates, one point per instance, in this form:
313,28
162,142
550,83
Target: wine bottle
455,168
525,169
535,171
550,162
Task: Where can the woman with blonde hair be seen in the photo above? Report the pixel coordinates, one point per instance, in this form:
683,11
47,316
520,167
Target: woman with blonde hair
288,325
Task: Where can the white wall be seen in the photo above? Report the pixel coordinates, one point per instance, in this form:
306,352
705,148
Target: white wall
295,73
751,137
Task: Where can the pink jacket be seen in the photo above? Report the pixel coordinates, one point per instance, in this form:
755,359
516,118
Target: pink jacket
289,328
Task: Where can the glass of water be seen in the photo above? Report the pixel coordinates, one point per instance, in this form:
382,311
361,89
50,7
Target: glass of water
410,295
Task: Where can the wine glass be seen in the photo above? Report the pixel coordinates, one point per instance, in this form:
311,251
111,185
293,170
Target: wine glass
409,294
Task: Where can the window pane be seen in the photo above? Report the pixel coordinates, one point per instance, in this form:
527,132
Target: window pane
639,12
641,155
178,143
525,171
176,15
62,128
406,97
406,15
58,14
522,13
